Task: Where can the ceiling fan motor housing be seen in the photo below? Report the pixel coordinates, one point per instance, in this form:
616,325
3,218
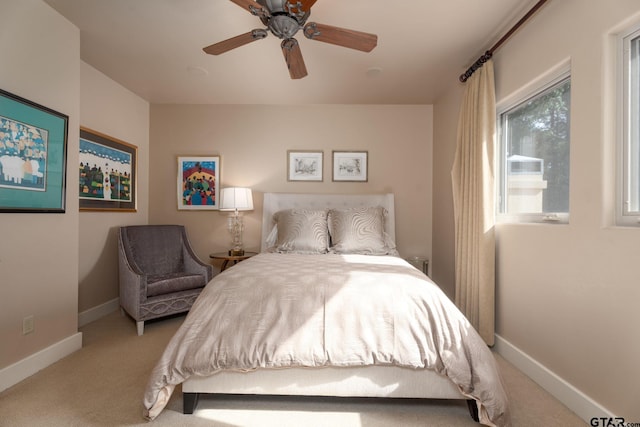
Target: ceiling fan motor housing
286,17
283,26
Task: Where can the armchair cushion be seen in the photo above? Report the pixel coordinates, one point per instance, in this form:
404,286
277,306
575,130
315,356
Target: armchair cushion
160,284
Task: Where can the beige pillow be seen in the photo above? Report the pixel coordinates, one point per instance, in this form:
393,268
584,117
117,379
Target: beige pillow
359,231
302,231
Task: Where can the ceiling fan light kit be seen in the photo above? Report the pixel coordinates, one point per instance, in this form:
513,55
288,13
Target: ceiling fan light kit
284,18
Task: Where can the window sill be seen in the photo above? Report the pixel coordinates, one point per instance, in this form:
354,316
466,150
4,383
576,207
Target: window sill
548,218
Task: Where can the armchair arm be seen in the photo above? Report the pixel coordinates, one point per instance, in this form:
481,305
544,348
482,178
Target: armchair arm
194,265
132,282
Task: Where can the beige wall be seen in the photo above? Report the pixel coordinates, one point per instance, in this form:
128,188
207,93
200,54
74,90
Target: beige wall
39,252
567,295
112,110
445,115
253,142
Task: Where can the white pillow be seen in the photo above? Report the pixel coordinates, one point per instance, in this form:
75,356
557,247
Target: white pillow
359,231
302,231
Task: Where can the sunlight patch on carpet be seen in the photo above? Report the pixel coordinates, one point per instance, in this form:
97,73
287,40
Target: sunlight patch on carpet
265,418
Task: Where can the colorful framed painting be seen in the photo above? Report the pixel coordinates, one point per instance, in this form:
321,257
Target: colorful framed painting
33,156
198,183
350,166
304,165
107,173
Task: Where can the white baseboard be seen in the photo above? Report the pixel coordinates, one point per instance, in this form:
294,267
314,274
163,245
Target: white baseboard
13,374
97,312
585,407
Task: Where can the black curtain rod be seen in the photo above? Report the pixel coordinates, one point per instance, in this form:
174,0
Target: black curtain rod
488,54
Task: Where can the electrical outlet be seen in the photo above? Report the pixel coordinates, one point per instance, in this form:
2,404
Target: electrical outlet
27,325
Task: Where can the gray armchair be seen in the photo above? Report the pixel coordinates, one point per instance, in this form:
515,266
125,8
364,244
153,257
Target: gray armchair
159,273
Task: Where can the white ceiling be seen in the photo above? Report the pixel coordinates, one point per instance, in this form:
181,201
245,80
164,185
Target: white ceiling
154,48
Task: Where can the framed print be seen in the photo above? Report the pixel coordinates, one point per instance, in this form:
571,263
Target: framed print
304,165
198,183
350,166
33,156
107,173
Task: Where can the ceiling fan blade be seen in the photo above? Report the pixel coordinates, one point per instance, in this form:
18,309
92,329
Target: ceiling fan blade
293,58
253,7
234,42
341,36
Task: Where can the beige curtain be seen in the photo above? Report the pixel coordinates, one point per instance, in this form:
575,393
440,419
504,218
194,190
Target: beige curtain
473,189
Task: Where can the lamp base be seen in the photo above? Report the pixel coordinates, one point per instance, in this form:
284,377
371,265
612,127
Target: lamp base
236,252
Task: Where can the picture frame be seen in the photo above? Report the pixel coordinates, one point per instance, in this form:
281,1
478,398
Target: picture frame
33,156
107,173
350,166
305,165
198,183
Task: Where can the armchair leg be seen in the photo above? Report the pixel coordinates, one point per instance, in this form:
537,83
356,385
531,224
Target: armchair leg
140,326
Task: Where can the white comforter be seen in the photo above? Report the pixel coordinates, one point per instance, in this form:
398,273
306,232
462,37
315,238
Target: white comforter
277,310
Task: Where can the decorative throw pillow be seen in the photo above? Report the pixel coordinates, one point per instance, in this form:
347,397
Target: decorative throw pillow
302,231
359,231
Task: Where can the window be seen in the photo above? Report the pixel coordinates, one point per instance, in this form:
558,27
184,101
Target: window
629,199
533,155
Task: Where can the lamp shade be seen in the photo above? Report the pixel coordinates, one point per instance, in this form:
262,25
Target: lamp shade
236,199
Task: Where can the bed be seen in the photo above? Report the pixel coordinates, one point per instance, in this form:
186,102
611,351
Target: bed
328,309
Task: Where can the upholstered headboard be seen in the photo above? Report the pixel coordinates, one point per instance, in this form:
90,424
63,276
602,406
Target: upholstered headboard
274,202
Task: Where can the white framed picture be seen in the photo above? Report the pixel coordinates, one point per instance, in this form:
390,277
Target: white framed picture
350,166
304,165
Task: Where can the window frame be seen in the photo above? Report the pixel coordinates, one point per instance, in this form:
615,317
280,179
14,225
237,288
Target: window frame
551,78
627,106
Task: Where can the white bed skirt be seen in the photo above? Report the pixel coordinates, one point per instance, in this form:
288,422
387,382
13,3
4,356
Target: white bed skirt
366,381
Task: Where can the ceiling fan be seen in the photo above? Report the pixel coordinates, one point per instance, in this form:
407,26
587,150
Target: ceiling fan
284,18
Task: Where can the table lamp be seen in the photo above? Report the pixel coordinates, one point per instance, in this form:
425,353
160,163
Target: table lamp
236,200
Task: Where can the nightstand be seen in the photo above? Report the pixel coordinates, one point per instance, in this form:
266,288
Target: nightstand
230,258
419,262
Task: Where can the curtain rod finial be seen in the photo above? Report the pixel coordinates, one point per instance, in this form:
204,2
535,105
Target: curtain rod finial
478,64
